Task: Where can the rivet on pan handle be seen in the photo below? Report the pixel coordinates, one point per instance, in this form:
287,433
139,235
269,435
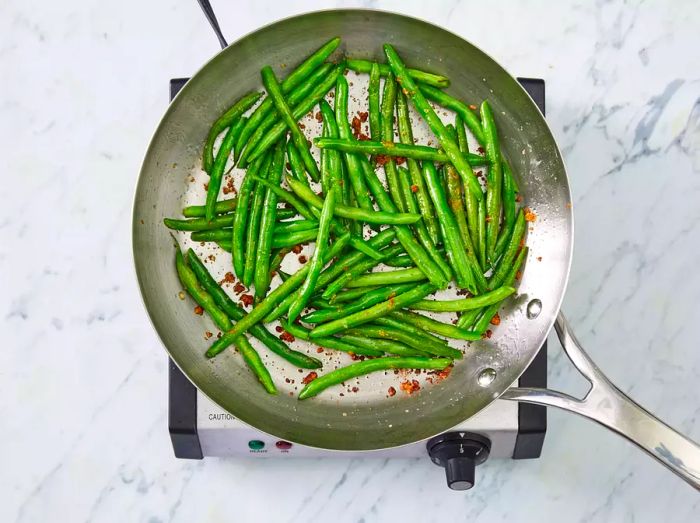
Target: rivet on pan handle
209,13
609,406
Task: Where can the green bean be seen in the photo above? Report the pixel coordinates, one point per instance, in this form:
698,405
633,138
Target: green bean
429,324
285,214
329,342
365,367
466,319
384,345
344,264
332,169
296,96
373,102
291,239
225,245
254,217
417,182
299,110
495,180
514,244
354,272
355,227
307,288
417,253
393,149
295,164
270,302
387,128
224,121
274,91
352,213
199,224
295,226
388,278
471,203
365,66
352,294
277,258
433,120
213,235
376,311
237,313
491,310
403,261
221,207
419,344
296,77
465,304
508,211
199,294
370,298
454,247
468,116
418,333
255,363
354,169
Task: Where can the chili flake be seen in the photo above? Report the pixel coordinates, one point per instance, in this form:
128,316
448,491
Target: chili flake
496,320
391,392
529,215
246,299
198,310
410,386
311,376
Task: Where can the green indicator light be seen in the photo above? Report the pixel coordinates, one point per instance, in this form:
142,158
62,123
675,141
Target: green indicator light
256,444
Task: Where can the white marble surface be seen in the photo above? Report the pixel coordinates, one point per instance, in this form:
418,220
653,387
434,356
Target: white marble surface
83,433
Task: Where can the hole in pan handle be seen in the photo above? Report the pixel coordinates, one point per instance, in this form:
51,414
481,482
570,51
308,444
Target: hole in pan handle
604,403
209,13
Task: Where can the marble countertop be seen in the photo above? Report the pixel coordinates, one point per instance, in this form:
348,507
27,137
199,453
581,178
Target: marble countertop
82,374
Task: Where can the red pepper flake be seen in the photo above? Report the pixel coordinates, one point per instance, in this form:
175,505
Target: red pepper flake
279,328
410,386
246,299
454,322
519,198
207,335
238,288
356,125
297,249
391,392
285,336
228,278
414,188
356,357
472,107
487,334
228,187
302,259
311,376
319,350
363,116
462,292
400,160
355,389
496,320
518,275
529,215
382,159
301,125
198,310
287,380
206,186
539,258
442,374
480,149
319,116
211,258
363,137
488,219
218,334
568,205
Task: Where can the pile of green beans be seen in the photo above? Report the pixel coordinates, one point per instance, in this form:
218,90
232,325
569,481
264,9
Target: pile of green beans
381,252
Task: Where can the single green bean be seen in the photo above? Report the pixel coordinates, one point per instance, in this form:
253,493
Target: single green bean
352,163
225,245
393,149
514,244
331,175
419,344
370,298
509,210
454,247
291,239
270,302
384,345
274,90
199,224
254,217
495,180
465,304
417,182
213,235
296,77
224,121
365,66
324,228
429,324
388,278
481,226
285,214
295,163
387,127
221,207
330,342
352,294
417,253
237,313
468,116
432,119
378,217
296,96
295,226
417,333
403,261
376,311
255,364
466,319
373,102
470,200
365,367
278,130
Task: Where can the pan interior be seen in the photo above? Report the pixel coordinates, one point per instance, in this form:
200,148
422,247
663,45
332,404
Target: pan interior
369,419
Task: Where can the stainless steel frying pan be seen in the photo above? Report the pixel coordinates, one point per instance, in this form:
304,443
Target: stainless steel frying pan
371,420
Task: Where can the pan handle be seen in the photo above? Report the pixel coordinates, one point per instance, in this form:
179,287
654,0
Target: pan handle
209,13
604,403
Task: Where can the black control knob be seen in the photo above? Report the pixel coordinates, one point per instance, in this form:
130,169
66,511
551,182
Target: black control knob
459,453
